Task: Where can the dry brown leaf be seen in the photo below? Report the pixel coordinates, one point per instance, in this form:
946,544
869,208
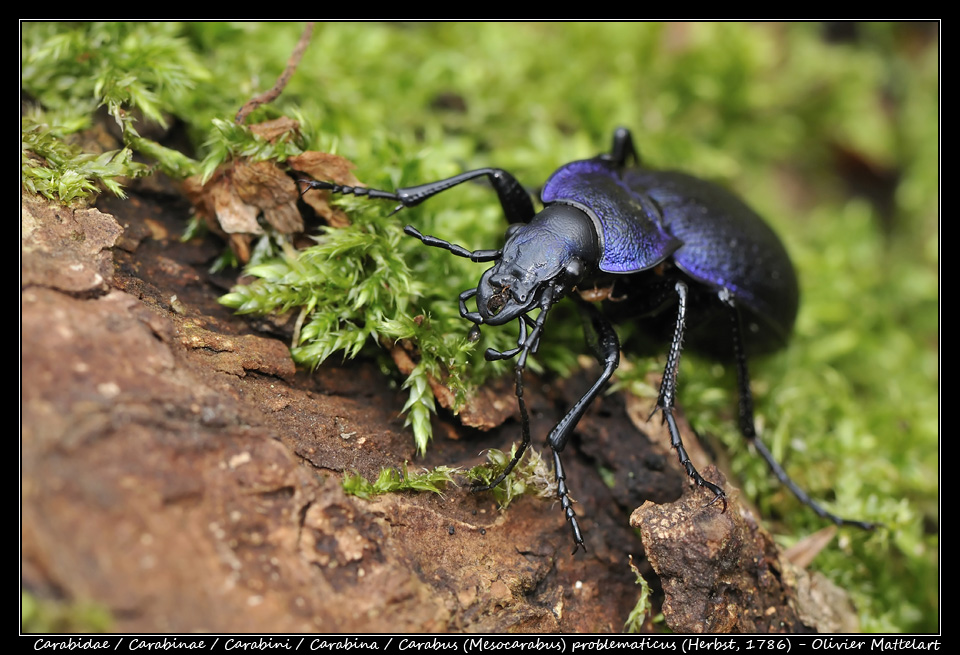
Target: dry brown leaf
266,187
233,215
273,130
242,191
802,553
324,166
233,199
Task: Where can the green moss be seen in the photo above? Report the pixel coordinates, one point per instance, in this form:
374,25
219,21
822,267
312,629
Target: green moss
137,71
532,476
393,481
643,609
50,617
59,170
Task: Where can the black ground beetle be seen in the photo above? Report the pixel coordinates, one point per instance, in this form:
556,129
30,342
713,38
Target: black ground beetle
643,242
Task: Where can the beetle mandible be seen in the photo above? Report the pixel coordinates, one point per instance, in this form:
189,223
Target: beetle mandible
646,241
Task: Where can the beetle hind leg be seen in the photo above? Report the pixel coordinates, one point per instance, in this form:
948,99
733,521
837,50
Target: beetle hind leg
622,149
747,426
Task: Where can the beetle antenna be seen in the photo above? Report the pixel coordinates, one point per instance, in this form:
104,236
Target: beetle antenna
344,190
459,251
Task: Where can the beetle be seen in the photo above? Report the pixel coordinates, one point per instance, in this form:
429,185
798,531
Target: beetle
644,242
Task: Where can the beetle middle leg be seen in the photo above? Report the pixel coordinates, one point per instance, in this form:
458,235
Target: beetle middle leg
668,391
605,345
748,429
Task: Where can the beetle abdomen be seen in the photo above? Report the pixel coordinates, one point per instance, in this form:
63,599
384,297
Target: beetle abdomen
726,245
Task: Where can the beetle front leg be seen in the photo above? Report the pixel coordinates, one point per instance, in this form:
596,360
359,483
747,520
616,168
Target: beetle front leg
473,317
668,390
524,321
529,341
747,425
524,435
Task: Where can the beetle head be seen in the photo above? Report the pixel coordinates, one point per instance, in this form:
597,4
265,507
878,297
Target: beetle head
555,249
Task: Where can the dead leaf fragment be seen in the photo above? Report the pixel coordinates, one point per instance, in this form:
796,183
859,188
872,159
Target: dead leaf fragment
263,185
233,215
801,554
233,200
278,127
236,196
327,167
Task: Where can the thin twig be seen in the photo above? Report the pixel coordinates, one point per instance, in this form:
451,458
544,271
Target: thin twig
277,88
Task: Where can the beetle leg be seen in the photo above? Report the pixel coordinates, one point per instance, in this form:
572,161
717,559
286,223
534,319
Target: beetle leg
473,317
605,345
524,435
532,338
516,203
566,504
747,425
492,355
668,390
622,149
535,346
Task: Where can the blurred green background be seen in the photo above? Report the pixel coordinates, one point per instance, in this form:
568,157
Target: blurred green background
831,131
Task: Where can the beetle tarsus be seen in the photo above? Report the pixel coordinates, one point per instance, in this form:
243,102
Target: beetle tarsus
722,497
566,504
